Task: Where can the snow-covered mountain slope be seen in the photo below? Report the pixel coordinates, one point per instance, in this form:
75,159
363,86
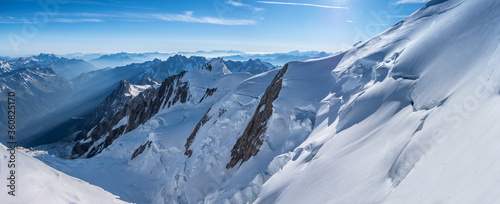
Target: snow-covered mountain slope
411,120
405,117
35,182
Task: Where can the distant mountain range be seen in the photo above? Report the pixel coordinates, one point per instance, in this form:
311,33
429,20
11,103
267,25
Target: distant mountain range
155,71
124,58
38,92
280,58
67,68
119,59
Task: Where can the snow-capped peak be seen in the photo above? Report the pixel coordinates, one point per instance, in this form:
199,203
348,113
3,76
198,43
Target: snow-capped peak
216,66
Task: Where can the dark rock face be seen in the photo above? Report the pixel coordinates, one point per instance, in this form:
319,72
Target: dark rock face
139,110
207,67
207,117
81,148
209,92
141,149
249,143
191,137
110,106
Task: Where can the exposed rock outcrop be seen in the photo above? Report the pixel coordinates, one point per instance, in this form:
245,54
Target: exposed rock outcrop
252,138
191,137
138,109
209,92
141,149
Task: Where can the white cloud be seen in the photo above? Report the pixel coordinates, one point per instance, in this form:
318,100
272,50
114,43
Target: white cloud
188,17
76,20
84,14
411,1
301,4
135,17
240,4
236,4
58,20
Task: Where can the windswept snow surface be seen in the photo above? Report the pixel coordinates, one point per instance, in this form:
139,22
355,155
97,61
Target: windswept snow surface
419,126
38,183
405,117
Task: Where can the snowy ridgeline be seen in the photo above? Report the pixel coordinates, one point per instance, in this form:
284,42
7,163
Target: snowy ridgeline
405,117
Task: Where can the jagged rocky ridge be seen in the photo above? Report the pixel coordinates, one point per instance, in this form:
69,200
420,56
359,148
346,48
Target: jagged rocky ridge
131,112
121,112
93,87
248,144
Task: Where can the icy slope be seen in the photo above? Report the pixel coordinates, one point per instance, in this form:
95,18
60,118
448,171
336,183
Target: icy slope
39,183
418,126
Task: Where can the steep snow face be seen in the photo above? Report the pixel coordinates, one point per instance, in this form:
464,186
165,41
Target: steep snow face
412,119
35,182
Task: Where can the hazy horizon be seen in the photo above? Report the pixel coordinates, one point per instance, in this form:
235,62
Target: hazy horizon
236,52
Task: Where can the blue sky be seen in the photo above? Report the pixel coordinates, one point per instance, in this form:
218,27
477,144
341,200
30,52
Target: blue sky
65,26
